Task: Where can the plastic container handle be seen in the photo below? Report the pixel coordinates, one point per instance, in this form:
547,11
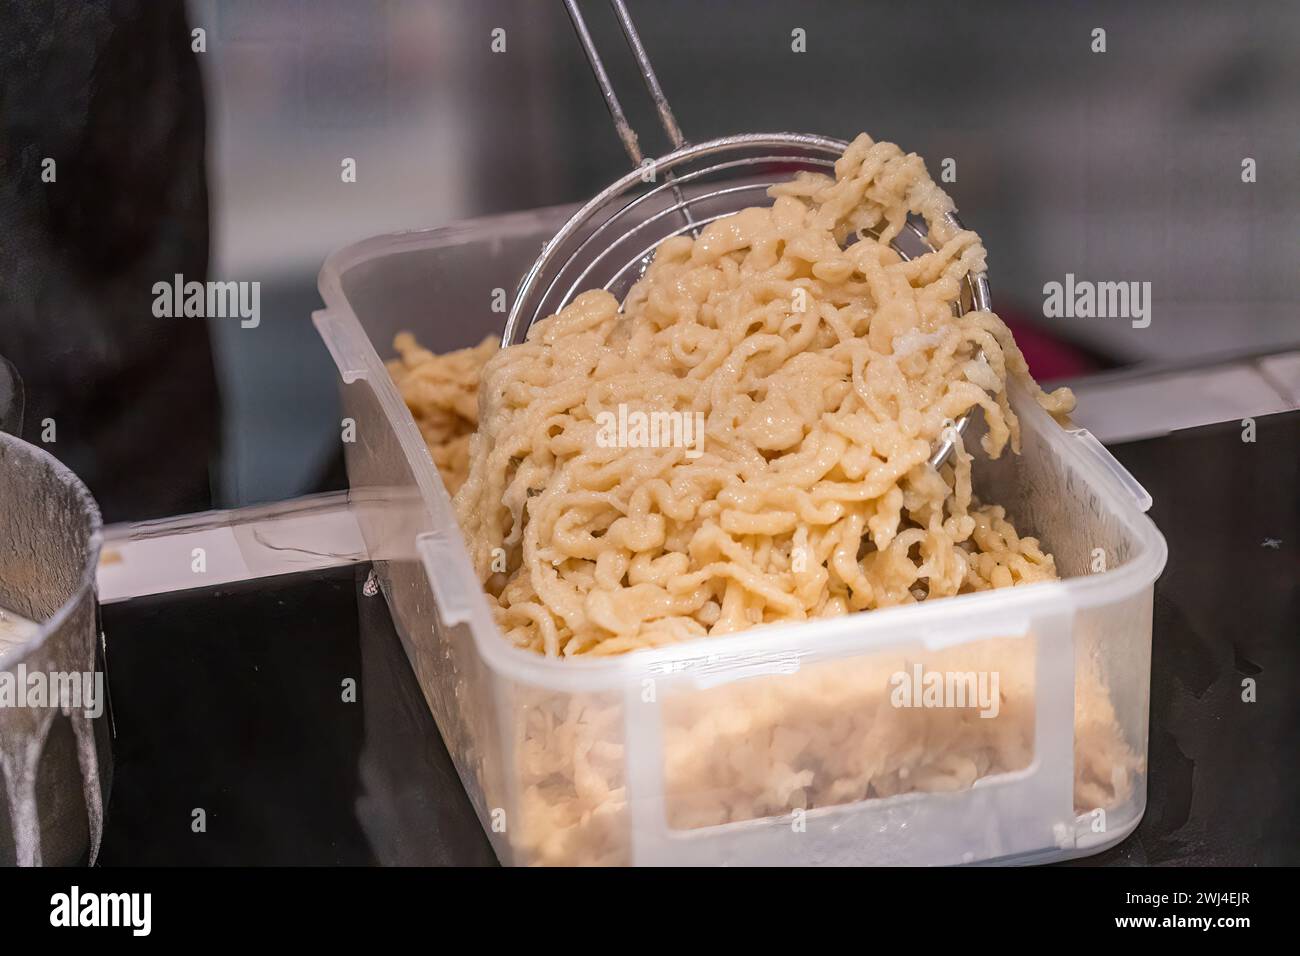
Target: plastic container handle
452,593
1112,468
346,342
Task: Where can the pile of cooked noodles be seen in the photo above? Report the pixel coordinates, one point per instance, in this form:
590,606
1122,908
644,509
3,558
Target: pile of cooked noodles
824,372
824,369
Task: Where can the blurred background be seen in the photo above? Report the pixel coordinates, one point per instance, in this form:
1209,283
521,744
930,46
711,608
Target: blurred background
1117,166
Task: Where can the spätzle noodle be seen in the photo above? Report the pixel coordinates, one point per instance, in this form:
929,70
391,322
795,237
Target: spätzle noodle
442,393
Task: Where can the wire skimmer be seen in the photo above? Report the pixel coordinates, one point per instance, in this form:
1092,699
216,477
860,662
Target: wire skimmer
610,241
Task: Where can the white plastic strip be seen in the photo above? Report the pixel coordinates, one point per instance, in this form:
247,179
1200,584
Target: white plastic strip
223,547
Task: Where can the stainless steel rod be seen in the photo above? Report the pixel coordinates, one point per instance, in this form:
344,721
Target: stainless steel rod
666,117
625,131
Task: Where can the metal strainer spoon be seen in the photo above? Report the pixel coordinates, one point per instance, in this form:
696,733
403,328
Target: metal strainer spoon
609,242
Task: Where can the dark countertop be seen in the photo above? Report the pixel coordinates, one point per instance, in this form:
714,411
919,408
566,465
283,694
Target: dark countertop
231,699
1224,781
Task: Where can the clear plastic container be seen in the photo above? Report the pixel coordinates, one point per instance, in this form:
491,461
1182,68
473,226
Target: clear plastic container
784,744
